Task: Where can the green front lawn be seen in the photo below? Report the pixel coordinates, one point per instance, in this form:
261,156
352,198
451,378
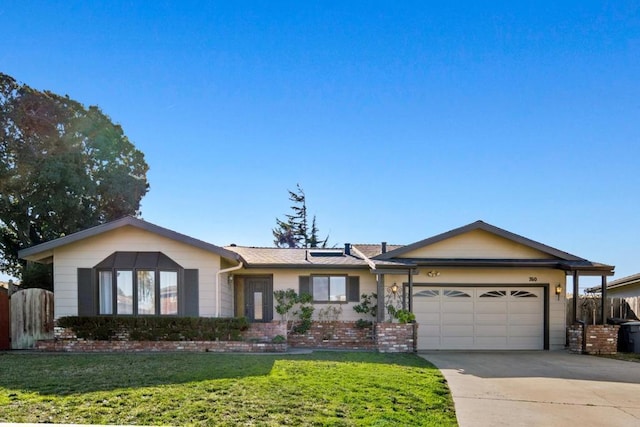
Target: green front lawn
322,388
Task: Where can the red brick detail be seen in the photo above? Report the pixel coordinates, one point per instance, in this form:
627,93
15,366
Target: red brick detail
384,337
265,332
598,339
257,339
89,346
397,337
334,335
574,338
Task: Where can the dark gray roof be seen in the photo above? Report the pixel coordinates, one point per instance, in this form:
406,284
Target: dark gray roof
122,222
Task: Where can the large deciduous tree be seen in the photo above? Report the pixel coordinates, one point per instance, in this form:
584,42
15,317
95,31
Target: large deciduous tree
63,168
294,232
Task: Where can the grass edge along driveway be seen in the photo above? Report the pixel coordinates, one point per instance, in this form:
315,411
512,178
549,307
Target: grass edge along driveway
321,388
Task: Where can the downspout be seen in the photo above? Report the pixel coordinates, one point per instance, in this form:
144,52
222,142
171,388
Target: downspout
220,272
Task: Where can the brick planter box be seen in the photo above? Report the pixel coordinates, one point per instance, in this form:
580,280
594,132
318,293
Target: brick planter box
257,339
334,335
90,346
597,339
397,337
383,337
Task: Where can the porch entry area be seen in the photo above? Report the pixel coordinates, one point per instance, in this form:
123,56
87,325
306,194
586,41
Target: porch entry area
254,297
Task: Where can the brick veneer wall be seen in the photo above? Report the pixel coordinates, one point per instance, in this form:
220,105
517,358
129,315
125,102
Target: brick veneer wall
88,346
574,338
598,339
334,335
397,337
265,331
257,339
384,337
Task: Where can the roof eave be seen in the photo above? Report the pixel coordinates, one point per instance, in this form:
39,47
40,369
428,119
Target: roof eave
303,266
36,251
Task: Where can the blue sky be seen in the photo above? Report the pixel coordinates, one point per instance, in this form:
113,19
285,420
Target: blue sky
400,120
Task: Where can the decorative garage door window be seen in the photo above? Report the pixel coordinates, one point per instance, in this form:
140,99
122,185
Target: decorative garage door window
456,294
494,294
428,293
523,294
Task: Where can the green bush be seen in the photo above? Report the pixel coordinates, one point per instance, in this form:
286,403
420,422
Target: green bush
107,328
405,316
363,324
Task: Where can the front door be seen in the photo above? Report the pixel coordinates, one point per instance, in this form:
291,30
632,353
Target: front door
258,299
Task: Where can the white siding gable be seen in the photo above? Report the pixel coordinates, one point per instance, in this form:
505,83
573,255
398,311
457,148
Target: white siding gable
477,244
89,252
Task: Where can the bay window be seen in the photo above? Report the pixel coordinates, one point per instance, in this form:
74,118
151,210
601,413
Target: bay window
138,283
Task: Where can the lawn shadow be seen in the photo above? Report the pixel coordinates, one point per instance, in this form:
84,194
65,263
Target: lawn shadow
68,374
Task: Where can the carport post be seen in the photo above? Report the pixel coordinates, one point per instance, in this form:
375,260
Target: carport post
380,290
575,296
410,292
603,306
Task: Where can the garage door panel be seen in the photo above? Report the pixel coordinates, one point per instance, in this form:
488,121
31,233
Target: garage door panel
491,307
522,343
492,319
487,343
429,319
426,305
464,318
525,308
457,307
524,331
457,330
481,318
429,330
457,343
523,319
491,331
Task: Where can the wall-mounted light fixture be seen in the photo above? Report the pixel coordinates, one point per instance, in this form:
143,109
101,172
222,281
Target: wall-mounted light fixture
433,273
230,279
394,289
558,290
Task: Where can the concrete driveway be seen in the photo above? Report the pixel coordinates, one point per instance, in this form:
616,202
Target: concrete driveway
540,388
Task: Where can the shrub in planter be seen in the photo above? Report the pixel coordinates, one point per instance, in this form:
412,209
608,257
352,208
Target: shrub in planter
405,316
278,339
105,328
363,324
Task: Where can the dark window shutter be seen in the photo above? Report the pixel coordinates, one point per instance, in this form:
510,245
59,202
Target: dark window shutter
190,293
87,293
305,285
353,289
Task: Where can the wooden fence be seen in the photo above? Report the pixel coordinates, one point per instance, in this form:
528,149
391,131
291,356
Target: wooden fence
5,343
31,317
589,309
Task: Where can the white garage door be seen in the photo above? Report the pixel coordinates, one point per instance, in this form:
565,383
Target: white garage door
479,318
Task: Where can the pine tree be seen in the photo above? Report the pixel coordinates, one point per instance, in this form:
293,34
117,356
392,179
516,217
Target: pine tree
294,232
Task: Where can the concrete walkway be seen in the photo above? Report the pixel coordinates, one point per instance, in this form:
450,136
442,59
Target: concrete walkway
540,388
